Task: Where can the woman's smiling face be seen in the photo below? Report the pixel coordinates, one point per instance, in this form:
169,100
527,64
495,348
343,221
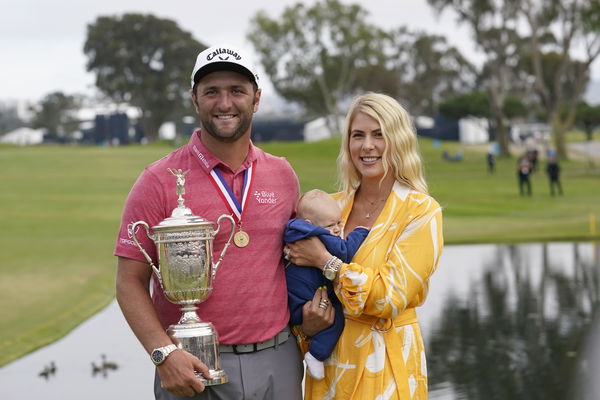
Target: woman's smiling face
366,145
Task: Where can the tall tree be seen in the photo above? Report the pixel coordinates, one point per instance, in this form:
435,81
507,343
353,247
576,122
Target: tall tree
570,29
144,61
56,113
9,117
476,104
312,54
429,70
493,24
419,69
587,118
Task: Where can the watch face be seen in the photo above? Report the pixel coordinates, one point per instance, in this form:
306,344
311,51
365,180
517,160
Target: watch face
157,356
329,274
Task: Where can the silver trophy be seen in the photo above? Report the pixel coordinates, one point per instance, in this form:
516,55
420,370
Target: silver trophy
184,246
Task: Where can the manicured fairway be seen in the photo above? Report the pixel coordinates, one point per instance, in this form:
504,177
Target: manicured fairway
60,209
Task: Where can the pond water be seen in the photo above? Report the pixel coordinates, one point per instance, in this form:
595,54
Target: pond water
514,322
500,322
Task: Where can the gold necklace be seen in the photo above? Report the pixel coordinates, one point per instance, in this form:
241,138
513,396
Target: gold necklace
374,206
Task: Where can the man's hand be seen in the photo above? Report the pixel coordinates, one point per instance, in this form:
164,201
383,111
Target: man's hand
177,374
315,318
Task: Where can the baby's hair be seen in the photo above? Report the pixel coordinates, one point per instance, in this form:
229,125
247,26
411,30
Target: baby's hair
308,203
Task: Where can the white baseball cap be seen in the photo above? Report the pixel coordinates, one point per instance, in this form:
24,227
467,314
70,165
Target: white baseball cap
223,57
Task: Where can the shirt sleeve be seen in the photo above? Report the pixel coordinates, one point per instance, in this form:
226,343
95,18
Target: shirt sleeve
402,277
295,182
145,202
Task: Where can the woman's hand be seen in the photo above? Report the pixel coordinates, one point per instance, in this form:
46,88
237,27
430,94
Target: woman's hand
308,252
315,318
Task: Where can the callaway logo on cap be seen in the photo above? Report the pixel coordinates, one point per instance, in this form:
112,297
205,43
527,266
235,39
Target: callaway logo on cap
224,57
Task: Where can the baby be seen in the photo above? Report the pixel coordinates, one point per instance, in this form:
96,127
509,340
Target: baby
318,215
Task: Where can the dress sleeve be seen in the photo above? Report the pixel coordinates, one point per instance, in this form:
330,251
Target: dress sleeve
400,277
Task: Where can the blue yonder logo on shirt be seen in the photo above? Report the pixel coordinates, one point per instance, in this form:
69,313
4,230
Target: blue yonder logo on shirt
265,197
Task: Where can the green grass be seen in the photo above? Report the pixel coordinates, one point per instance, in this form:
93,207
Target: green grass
60,210
478,207
483,208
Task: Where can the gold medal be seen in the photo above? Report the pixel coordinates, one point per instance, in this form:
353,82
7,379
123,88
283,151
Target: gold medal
241,239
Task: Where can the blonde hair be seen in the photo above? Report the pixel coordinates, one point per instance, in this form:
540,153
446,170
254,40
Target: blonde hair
401,155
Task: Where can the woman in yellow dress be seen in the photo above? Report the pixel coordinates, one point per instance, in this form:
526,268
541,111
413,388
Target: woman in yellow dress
380,354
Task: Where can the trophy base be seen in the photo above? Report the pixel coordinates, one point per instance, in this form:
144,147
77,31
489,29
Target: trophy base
217,378
200,339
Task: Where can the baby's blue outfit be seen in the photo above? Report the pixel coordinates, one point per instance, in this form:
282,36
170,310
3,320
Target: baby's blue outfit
302,282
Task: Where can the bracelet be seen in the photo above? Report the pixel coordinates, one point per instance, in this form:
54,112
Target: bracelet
331,268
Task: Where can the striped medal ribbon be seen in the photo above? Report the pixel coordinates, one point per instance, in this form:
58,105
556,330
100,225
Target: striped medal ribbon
241,238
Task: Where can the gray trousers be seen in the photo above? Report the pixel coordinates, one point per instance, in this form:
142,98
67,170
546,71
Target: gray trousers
269,374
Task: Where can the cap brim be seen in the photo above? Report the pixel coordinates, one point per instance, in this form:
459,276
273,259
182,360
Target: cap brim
223,66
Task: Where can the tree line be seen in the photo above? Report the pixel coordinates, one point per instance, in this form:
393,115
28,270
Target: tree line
537,60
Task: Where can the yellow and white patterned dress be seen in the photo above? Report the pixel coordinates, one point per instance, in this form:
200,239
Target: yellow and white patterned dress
380,354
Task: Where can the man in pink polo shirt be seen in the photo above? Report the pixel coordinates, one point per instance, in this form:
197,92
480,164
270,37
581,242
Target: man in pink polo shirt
248,304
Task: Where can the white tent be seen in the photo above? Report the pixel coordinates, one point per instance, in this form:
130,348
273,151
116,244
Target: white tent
23,136
424,122
473,130
318,129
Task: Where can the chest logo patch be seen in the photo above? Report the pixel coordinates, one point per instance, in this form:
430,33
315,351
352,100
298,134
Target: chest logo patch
265,197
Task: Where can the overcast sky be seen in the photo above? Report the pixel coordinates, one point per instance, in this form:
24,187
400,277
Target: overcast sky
41,42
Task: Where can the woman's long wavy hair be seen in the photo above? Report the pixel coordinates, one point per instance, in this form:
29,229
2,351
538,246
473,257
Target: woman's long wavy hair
401,156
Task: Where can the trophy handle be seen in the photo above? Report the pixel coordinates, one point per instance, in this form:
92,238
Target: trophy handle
147,228
230,218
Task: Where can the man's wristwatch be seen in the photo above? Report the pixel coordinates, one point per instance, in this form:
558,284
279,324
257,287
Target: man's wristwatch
158,356
331,268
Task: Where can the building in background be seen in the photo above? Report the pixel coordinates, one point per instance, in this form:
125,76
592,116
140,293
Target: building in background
23,136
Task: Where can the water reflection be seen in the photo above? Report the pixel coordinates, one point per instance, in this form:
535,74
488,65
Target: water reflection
103,367
518,331
500,322
101,359
48,371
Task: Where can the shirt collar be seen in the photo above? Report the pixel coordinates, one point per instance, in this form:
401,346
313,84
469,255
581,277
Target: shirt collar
209,161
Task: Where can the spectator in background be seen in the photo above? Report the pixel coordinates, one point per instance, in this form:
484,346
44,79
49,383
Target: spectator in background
532,154
553,171
523,172
452,157
491,161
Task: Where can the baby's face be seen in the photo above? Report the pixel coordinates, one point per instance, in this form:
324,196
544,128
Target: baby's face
330,218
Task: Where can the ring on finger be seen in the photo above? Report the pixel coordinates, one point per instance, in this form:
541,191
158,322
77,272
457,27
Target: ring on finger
323,306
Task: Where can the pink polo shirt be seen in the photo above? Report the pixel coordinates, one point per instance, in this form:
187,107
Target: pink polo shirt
249,299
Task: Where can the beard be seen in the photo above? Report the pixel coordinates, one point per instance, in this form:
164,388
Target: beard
214,131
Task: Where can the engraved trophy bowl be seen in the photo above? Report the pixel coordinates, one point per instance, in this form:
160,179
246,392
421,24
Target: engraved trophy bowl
186,273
